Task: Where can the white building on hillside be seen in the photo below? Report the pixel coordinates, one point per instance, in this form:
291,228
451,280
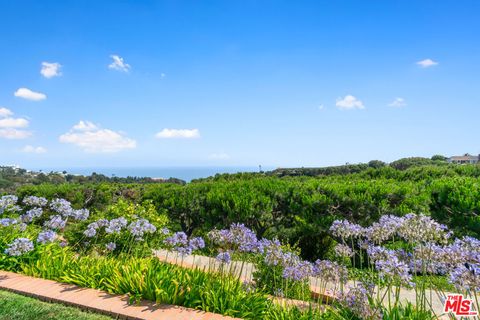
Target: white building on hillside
465,159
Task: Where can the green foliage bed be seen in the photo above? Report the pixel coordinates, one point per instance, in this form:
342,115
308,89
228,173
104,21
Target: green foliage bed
297,209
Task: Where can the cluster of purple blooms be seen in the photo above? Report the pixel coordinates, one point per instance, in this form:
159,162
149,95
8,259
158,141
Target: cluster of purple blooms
224,257
111,246
5,222
294,268
80,214
393,268
237,237
240,238
96,225
330,271
36,206
357,300
31,214
416,229
383,230
431,254
343,251
61,206
180,243
140,227
9,203
197,243
178,239
46,236
64,208
19,247
63,212
115,226
344,229
34,201
298,271
412,228
466,277
55,222
273,252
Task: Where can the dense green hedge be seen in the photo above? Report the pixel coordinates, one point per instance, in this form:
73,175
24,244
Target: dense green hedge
297,209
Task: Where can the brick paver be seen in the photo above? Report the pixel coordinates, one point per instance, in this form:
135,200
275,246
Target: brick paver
98,301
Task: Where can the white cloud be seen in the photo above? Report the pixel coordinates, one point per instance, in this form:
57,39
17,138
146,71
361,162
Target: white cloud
9,126
13,123
29,94
349,102
51,69
118,64
4,112
427,63
91,138
321,107
219,156
178,133
397,102
32,149
85,126
11,133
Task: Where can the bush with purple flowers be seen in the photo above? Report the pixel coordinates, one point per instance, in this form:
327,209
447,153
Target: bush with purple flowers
400,250
395,252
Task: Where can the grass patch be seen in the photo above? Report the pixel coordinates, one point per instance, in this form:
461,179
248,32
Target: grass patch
15,306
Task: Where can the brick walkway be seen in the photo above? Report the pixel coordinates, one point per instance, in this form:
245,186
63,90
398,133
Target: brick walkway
98,301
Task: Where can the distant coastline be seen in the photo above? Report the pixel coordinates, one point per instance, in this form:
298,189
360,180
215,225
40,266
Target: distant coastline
184,173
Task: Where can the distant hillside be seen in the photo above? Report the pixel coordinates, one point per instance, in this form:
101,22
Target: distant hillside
13,177
401,164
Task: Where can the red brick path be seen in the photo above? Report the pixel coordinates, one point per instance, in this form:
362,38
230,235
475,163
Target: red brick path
98,301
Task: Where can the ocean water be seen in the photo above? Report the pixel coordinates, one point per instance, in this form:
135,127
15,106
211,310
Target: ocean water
184,173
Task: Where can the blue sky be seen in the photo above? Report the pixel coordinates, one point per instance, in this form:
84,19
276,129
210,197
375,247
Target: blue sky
236,83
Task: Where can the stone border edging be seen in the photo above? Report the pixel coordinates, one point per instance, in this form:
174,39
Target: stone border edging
98,301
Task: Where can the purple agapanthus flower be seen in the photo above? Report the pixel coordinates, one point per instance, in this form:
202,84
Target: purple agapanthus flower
196,243
178,239
224,257
343,251
90,232
31,214
344,229
19,247
7,202
393,268
111,246
329,271
115,226
62,207
140,227
237,237
80,214
298,272
5,222
34,201
46,236
55,222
